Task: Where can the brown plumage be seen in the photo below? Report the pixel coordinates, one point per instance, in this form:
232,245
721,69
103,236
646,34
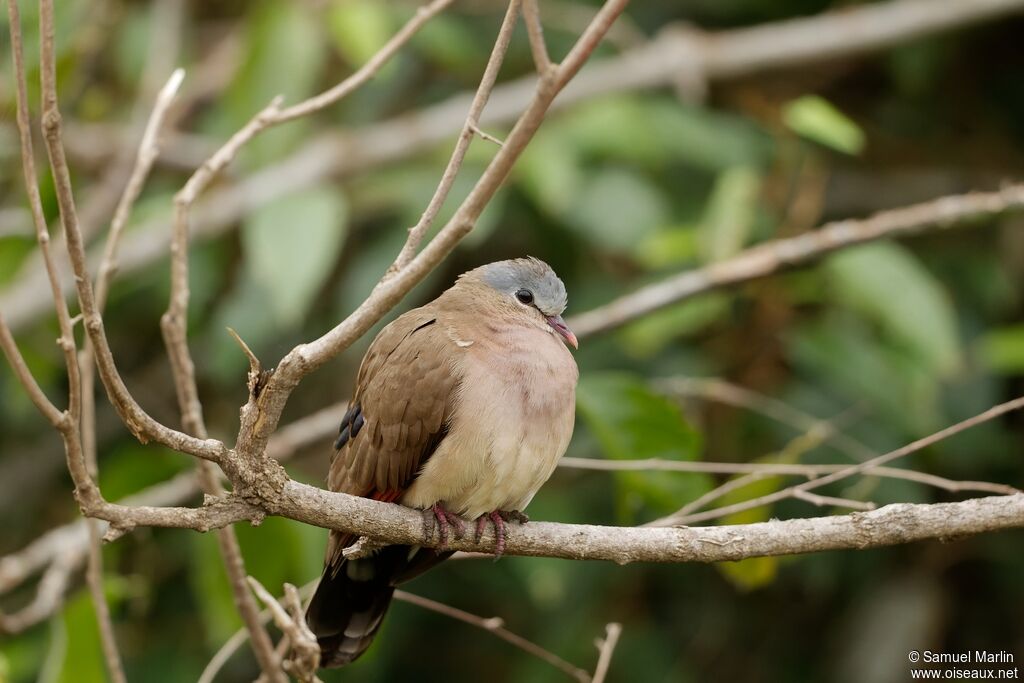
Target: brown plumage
463,405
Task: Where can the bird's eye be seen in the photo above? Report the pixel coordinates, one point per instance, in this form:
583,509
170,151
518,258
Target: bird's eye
525,296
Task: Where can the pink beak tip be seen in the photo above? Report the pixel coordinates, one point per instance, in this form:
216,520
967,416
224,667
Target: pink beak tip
562,329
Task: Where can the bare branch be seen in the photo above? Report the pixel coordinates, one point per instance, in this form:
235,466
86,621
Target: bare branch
26,379
234,567
852,470
714,56
761,470
476,107
67,339
71,539
260,417
94,580
174,321
606,647
772,257
368,70
495,625
148,151
535,32
305,650
825,501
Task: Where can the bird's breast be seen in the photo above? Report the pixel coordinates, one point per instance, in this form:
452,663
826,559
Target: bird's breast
513,420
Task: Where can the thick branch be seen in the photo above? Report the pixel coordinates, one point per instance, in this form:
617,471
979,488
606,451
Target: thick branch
888,525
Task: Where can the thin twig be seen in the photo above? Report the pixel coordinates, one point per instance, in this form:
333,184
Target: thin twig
260,418
368,70
656,63
476,107
772,257
174,321
94,580
486,136
24,376
860,468
66,340
305,649
825,501
51,589
148,151
147,154
767,469
721,391
496,626
535,32
606,648
48,599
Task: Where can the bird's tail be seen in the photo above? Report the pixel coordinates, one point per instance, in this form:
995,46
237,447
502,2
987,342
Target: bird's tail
348,608
353,595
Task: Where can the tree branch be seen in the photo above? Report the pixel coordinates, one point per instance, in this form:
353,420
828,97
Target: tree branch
851,470
606,648
476,107
772,257
707,56
495,626
260,416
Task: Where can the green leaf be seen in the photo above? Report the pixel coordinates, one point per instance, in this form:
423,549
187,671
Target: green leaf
652,333
816,119
887,284
672,247
83,661
291,246
656,131
630,421
360,28
453,45
284,54
1002,350
617,208
729,215
213,592
550,172
751,573
841,352
709,140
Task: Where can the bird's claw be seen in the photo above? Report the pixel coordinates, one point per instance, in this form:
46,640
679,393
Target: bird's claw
498,518
439,516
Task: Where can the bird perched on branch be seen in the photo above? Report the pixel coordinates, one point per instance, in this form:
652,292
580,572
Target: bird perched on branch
462,408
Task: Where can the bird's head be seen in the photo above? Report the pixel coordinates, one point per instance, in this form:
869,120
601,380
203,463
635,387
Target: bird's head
530,286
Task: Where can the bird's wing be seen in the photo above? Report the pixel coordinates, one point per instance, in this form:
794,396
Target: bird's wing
403,400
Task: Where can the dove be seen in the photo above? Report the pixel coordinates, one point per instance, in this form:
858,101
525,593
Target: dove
461,409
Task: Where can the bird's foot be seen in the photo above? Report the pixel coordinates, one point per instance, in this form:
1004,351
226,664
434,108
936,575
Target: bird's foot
498,518
438,515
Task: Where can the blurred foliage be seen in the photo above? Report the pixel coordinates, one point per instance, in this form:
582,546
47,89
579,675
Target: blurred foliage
891,340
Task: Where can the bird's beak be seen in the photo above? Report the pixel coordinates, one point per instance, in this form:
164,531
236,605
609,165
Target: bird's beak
561,328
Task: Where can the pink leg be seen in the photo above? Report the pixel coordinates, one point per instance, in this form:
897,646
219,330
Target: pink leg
498,518
438,514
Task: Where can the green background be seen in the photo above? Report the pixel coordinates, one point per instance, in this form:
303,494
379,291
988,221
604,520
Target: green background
894,340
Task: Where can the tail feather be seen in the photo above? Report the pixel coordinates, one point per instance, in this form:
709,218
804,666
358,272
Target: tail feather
353,595
348,608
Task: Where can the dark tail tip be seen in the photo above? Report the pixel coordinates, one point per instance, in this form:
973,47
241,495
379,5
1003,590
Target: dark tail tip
347,610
